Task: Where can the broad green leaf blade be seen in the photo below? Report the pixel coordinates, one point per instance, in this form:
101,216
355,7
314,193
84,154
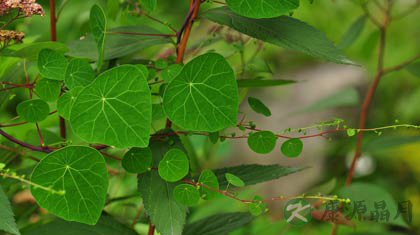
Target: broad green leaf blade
137,160
105,226
282,31
257,83
187,194
66,101
370,194
52,64
117,45
47,89
209,179
262,8
149,5
115,109
34,110
346,97
218,224
352,33
258,106
79,171
292,147
97,23
169,73
174,166
7,220
254,174
204,96
78,73
414,68
165,213
161,64
262,142
32,50
234,180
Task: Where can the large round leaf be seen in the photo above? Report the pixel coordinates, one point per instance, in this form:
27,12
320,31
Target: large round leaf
52,64
115,109
34,110
174,166
262,8
137,160
48,89
79,171
262,142
186,194
78,73
209,180
204,96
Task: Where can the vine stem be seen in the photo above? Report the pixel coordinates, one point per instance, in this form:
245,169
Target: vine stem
23,144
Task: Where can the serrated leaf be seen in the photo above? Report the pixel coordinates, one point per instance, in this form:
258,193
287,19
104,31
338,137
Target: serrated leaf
66,101
97,23
292,147
169,73
78,73
258,106
254,173
204,96
115,109
262,8
32,50
257,83
218,224
7,220
209,179
137,160
34,110
52,64
352,33
234,180
174,166
186,194
47,89
282,31
262,142
79,171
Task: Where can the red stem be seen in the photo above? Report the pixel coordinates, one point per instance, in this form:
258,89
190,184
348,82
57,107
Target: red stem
151,229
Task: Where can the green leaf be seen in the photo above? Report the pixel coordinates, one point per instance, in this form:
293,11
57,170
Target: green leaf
187,194
214,137
78,73
282,31
370,194
258,106
414,68
137,160
204,96
115,109
97,23
105,226
262,8
257,83
208,178
149,5
174,166
34,110
292,147
234,180
32,50
254,174
351,132
117,45
47,89
169,73
262,142
344,97
384,143
352,33
7,220
257,208
218,224
164,211
66,101
161,64
52,64
79,171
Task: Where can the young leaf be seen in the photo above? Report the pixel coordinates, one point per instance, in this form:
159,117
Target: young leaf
78,73
47,89
257,208
351,132
262,142
262,8
79,171
292,147
204,96
97,23
137,160
282,31
34,110
115,109
258,106
234,180
174,166
209,179
52,64
218,224
256,83
7,220
187,194
66,101
169,73
352,33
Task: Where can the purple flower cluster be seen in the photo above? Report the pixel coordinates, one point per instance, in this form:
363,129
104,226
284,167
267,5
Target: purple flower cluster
27,7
